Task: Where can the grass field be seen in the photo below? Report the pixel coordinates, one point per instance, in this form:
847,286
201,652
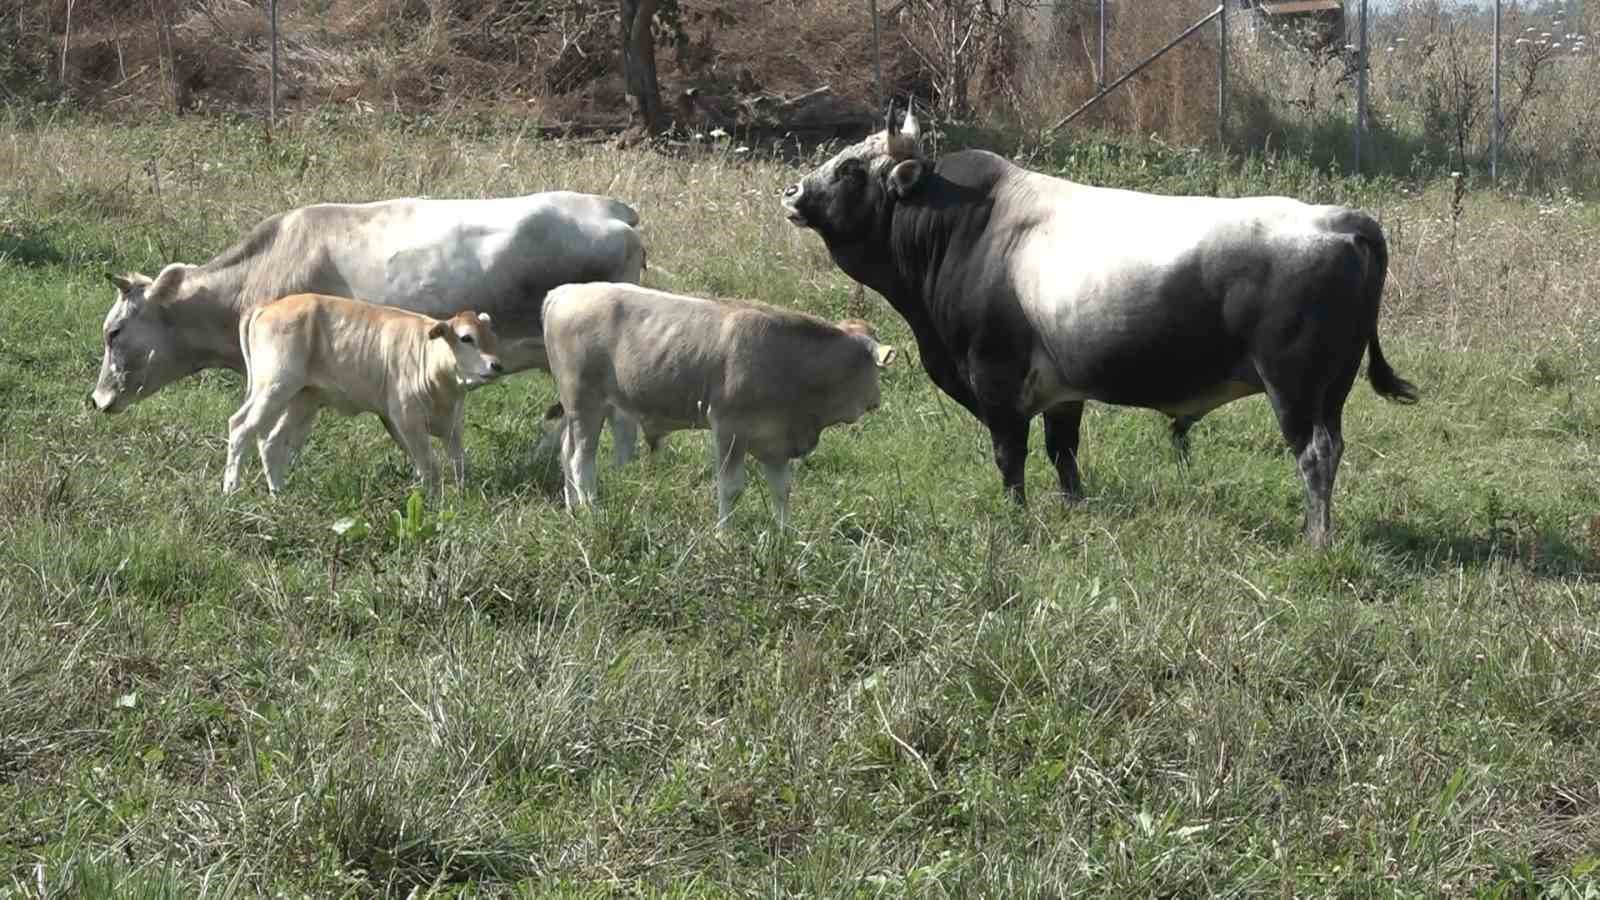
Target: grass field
916,692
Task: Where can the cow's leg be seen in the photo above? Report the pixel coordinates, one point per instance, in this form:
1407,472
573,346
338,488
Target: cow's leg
287,437
580,444
780,477
1061,445
624,436
730,451
266,404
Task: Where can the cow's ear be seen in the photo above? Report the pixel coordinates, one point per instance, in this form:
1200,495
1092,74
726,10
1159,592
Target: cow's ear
885,354
906,175
440,330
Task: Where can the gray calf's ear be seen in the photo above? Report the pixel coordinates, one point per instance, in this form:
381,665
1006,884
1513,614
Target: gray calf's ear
440,330
906,175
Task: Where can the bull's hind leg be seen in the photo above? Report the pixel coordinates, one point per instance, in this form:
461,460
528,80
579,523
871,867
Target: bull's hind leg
1311,429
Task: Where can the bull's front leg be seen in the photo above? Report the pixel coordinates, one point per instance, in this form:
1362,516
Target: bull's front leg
1061,423
1008,434
997,380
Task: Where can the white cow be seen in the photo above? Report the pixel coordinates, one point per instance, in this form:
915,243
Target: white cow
765,380
435,257
308,351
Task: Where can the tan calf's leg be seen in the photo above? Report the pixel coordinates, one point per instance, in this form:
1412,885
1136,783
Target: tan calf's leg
265,404
286,438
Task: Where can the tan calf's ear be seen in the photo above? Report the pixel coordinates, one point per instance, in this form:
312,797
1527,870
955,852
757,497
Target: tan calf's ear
884,353
439,330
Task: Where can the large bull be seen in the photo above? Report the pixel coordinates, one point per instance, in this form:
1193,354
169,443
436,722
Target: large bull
1029,295
436,257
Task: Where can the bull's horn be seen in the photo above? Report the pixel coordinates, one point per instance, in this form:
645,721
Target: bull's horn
888,118
910,128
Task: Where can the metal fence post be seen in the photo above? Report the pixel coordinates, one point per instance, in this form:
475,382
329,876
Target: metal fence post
272,91
1361,86
1494,139
877,57
1222,75
1100,74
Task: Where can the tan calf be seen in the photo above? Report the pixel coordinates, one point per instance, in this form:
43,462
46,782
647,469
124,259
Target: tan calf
308,351
765,380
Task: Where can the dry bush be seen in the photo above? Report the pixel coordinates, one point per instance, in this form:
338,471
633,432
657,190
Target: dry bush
1175,97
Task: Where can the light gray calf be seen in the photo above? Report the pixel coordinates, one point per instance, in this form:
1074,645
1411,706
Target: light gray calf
766,381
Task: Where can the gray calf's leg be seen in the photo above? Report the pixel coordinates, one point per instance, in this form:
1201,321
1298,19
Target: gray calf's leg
580,444
780,477
730,472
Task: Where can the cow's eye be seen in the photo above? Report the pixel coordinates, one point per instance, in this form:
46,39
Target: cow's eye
112,337
466,338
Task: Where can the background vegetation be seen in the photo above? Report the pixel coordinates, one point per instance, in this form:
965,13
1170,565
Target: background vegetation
917,690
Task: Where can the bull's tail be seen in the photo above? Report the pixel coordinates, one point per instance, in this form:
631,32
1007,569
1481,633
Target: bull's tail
1384,380
1388,385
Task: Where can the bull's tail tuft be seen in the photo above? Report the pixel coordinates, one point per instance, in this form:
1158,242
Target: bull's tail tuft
1384,380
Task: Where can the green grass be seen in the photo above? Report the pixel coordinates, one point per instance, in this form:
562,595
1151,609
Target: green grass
917,692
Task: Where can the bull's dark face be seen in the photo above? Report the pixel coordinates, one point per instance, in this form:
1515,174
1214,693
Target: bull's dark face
846,198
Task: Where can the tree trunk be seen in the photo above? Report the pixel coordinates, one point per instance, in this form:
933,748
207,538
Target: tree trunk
639,64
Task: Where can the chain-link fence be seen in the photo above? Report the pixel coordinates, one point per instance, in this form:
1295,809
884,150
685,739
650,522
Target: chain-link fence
1294,72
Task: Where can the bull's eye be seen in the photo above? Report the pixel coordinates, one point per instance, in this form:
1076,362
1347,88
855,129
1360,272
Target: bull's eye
466,339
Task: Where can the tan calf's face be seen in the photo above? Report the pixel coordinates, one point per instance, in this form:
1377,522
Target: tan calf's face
472,339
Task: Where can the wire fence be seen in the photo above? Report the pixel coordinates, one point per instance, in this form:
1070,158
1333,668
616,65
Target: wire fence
1382,86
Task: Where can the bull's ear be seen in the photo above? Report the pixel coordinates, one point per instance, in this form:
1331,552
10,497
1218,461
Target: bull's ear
884,354
440,330
906,175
